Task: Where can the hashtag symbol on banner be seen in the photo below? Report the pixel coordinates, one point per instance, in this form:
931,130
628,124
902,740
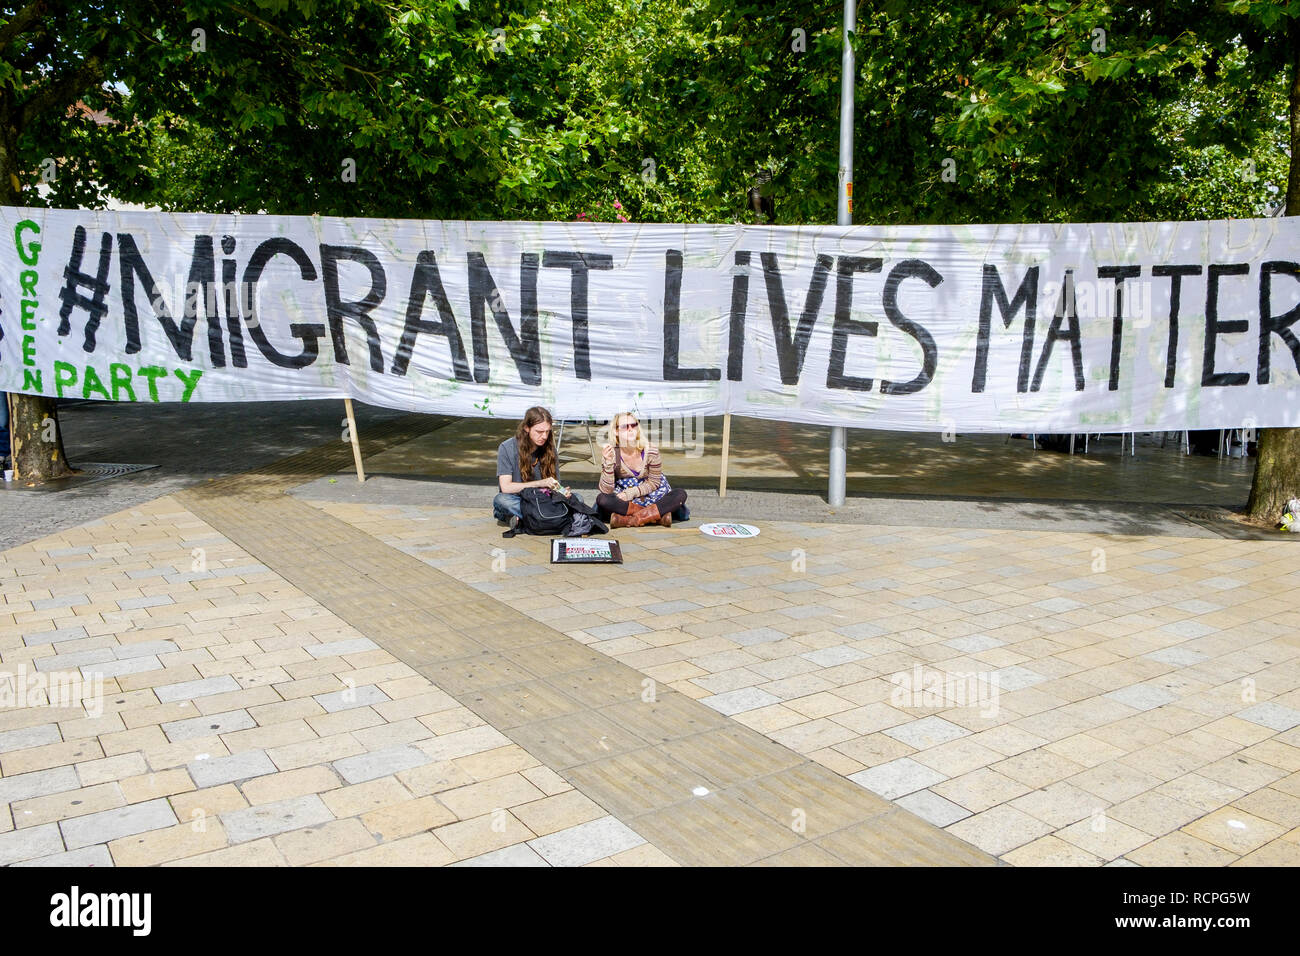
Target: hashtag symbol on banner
98,286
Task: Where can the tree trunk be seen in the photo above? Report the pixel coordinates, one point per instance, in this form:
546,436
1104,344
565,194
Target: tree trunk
1275,472
37,440
1277,469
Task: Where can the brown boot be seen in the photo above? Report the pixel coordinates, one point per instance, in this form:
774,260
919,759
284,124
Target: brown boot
650,515
638,515
617,520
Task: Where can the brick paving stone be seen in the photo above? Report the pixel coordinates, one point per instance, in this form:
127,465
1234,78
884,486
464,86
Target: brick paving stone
339,648
90,856
380,763
188,690
158,600
1104,837
1142,696
923,636
111,824
111,769
70,662
272,818
35,736
145,649
445,775
739,701
117,668
462,743
149,786
210,802
351,697
643,855
290,783
167,844
34,759
361,798
30,844
219,770
470,838
312,844
480,798
929,806
586,842
1272,715
392,733
897,778
257,853
558,812
999,829
664,608
521,854
208,725
321,750
68,804
423,849
56,636
345,721
407,818
759,635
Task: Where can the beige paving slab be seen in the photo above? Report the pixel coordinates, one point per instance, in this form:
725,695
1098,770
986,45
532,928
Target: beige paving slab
1048,751
522,686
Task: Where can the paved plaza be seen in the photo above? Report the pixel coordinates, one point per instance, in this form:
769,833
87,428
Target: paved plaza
990,655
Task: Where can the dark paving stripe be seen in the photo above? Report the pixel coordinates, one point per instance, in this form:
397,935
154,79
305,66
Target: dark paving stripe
576,710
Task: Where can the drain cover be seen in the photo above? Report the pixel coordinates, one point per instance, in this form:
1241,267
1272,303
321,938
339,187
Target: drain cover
86,473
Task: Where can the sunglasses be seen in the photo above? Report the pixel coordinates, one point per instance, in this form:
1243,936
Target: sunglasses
630,425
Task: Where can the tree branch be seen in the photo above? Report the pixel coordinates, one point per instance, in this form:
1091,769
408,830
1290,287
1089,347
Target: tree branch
20,22
63,91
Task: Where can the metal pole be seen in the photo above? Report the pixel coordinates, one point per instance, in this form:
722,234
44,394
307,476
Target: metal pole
839,457
726,450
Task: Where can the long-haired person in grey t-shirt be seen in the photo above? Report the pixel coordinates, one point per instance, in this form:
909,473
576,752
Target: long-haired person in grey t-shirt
526,461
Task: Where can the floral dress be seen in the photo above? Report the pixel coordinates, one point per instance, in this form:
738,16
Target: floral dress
635,478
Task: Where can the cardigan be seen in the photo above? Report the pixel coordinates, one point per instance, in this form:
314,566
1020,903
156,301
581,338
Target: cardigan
650,477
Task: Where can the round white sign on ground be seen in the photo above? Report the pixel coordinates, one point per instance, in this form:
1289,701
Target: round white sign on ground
725,529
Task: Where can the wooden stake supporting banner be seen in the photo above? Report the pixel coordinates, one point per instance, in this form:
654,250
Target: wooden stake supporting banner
726,450
356,441
13,450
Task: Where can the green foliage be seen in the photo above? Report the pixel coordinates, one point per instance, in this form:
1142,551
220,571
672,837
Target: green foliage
516,109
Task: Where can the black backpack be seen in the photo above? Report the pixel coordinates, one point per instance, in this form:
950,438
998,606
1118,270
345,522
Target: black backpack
541,511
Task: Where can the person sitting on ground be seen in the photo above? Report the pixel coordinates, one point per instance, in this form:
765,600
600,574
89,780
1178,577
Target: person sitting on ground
536,467
633,489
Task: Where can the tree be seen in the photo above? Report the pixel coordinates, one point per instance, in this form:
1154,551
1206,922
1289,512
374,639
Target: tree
1277,468
1044,111
50,57
660,110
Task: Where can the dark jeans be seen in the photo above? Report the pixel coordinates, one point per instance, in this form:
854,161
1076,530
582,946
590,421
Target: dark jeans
613,504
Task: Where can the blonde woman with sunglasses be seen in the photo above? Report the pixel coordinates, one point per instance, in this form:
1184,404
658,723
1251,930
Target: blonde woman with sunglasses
633,489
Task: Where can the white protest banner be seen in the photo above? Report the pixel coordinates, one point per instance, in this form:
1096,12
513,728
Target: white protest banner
1048,328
